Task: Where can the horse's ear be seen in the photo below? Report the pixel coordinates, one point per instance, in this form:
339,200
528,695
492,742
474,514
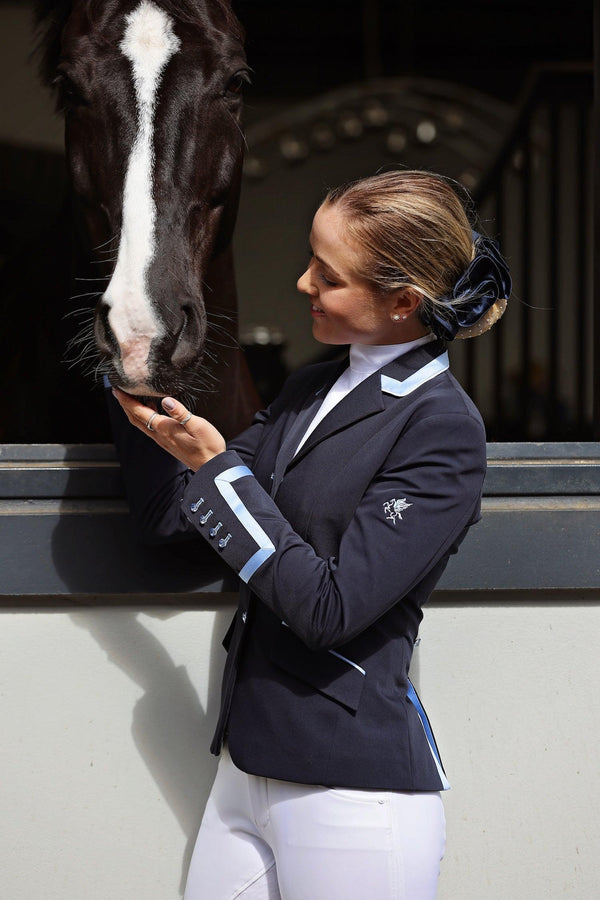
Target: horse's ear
49,19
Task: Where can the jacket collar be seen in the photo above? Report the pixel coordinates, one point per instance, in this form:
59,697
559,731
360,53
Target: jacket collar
365,400
406,365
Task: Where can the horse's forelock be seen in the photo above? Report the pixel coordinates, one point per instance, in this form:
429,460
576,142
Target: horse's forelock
50,17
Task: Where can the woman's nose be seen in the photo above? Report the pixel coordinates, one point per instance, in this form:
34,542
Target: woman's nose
304,283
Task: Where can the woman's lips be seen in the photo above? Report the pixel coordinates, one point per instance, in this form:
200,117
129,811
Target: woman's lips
316,312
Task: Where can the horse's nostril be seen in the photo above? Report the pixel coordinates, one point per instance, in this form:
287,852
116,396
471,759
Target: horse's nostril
105,339
189,337
218,200
186,314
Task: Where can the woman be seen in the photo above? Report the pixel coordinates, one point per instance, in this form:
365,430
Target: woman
338,508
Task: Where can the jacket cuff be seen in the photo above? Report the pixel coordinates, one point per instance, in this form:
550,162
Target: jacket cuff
217,502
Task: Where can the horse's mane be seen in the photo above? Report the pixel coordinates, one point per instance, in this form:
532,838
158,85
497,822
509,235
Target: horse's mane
50,17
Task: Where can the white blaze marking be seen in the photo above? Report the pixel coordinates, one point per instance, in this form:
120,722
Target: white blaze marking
148,43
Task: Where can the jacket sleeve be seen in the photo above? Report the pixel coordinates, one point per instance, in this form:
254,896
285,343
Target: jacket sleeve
431,480
155,481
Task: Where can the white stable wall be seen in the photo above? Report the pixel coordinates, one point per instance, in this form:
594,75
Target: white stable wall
107,715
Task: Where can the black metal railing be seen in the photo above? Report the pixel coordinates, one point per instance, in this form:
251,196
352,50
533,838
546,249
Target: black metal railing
533,375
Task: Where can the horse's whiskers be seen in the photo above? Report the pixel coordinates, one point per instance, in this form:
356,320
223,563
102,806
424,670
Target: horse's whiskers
87,294
82,311
237,125
97,278
98,248
84,358
211,314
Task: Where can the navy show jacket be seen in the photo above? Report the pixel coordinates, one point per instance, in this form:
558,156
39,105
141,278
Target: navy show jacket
337,548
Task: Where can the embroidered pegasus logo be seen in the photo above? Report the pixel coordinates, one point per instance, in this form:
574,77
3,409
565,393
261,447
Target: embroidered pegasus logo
393,509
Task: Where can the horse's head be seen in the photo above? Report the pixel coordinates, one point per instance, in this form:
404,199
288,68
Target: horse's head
151,91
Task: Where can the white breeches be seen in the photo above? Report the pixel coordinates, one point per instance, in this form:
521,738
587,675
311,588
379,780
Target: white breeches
263,839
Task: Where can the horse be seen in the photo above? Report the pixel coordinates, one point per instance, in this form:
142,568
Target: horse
151,93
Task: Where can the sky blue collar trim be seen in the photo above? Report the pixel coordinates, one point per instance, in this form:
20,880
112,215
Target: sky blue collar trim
414,381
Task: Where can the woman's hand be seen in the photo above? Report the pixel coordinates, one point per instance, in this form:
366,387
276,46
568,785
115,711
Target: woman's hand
188,438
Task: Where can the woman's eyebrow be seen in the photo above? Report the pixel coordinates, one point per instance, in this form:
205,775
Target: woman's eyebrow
326,264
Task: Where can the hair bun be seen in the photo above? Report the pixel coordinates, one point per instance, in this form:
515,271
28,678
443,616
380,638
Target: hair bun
495,312
478,298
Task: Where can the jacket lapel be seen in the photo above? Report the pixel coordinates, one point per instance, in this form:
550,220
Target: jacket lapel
299,420
365,400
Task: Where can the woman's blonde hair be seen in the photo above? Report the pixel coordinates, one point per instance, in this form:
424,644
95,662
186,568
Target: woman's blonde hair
412,230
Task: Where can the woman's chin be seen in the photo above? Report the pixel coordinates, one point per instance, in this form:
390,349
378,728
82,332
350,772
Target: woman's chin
324,336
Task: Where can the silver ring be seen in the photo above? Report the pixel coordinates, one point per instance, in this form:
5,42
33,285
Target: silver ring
149,422
187,419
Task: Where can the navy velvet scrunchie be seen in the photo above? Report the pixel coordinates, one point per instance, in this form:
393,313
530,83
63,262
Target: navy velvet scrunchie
486,280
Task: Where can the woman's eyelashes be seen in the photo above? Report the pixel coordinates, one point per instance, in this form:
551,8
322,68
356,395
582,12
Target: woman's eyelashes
327,280
312,259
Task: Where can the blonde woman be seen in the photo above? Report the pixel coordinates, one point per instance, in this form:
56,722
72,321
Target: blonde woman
338,508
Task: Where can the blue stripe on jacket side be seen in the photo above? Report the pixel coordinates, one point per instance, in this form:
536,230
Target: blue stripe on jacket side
414,381
349,661
223,482
414,699
339,656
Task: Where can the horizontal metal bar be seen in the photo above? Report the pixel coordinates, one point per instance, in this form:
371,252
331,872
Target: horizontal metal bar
540,530
520,543
542,477
513,469
80,454
54,452
98,480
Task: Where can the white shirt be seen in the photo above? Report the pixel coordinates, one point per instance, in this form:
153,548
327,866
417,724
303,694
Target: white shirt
364,360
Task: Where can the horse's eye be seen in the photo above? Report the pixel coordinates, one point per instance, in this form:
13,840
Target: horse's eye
69,94
236,83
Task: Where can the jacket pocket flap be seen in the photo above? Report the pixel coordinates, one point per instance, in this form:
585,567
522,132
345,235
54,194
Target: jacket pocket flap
325,670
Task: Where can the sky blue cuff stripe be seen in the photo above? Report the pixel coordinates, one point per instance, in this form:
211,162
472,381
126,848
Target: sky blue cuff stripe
414,381
414,699
242,513
234,473
254,562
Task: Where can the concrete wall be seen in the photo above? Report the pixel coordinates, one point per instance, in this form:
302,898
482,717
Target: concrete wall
107,715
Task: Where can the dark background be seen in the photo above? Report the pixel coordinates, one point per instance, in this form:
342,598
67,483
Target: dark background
305,48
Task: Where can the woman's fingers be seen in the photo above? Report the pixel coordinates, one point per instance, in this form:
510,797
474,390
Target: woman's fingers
150,421
137,412
194,444
145,416
177,410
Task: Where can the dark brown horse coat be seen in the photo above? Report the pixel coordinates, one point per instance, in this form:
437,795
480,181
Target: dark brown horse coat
151,96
